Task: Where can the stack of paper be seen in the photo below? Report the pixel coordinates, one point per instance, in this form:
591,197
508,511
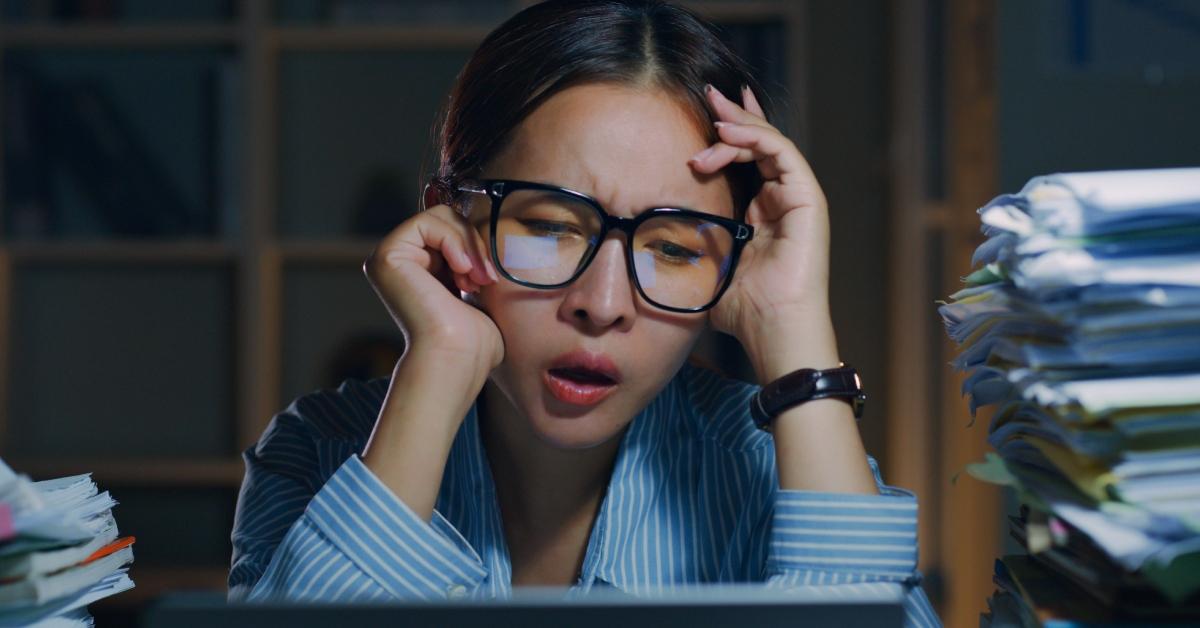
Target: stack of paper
59,550
1081,325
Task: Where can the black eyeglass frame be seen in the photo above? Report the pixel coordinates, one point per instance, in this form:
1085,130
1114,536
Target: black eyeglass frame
498,189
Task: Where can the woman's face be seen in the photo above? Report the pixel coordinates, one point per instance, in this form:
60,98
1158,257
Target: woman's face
627,148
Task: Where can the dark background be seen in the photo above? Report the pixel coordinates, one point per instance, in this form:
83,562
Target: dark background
189,189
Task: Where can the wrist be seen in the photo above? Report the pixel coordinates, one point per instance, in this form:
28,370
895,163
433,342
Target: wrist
464,369
432,389
804,386
416,428
786,342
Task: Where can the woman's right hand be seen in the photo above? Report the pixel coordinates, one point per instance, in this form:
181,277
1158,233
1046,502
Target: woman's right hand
418,270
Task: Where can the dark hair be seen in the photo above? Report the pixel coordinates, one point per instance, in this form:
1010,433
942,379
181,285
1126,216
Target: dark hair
557,44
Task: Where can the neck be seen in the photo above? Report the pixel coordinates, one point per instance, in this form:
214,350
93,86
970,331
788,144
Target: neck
539,486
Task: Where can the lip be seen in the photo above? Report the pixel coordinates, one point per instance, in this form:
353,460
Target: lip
582,393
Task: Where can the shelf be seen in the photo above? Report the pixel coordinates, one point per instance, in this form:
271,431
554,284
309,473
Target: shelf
182,251
115,35
348,251
396,37
202,473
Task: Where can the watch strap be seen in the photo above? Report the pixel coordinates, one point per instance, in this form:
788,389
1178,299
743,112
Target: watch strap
805,385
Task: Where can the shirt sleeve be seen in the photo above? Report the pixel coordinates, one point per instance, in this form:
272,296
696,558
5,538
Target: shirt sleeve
849,542
279,481
297,535
357,540
836,542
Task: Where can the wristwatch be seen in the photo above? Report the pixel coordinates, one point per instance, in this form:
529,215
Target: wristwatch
805,385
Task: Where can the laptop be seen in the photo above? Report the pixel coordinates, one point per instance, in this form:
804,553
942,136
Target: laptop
732,606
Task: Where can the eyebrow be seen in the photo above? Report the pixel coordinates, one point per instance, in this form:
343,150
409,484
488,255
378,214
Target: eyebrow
732,213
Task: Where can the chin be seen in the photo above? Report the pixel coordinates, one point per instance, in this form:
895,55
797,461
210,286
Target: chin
576,432
561,425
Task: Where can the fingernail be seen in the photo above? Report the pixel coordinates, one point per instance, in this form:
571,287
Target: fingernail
745,87
491,270
702,155
708,88
720,124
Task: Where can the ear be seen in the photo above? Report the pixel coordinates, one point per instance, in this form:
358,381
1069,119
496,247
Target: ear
429,197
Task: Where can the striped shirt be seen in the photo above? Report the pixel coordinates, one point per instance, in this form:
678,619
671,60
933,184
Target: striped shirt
694,498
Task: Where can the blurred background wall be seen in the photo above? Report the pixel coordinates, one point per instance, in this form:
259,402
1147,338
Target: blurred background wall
188,189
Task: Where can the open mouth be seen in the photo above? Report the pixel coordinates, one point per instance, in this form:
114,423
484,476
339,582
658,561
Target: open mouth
581,378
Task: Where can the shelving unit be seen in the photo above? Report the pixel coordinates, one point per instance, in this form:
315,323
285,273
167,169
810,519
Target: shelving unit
945,147
49,35
266,257
147,472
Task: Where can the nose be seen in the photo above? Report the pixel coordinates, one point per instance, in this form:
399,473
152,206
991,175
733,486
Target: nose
602,297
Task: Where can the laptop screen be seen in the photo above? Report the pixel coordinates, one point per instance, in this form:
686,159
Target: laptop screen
734,606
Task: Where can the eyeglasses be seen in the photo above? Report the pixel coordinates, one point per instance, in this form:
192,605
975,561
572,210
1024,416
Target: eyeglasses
544,236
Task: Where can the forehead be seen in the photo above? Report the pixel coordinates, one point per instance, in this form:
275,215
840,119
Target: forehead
627,147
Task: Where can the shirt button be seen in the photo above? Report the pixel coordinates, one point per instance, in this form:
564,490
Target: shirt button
456,591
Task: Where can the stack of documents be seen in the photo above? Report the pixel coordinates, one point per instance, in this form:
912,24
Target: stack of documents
59,550
1081,326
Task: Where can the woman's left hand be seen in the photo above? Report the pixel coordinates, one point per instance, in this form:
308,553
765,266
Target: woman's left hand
781,284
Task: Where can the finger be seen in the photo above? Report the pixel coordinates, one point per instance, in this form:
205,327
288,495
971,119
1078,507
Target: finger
415,240
480,251
470,241
484,252
454,220
715,157
423,242
750,102
482,273
776,155
728,110
465,284
437,235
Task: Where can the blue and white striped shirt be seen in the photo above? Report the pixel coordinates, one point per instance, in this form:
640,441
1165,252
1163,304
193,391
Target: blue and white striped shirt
694,498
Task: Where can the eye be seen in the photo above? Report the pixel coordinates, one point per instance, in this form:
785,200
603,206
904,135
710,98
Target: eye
552,228
674,253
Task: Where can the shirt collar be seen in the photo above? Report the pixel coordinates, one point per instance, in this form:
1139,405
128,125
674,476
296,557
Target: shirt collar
639,474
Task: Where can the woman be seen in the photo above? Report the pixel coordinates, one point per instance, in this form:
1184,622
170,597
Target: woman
598,202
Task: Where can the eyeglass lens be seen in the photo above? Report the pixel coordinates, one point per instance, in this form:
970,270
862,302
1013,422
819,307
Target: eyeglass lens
542,238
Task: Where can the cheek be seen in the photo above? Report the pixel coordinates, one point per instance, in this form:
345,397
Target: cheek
521,318
502,304
650,352
671,344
